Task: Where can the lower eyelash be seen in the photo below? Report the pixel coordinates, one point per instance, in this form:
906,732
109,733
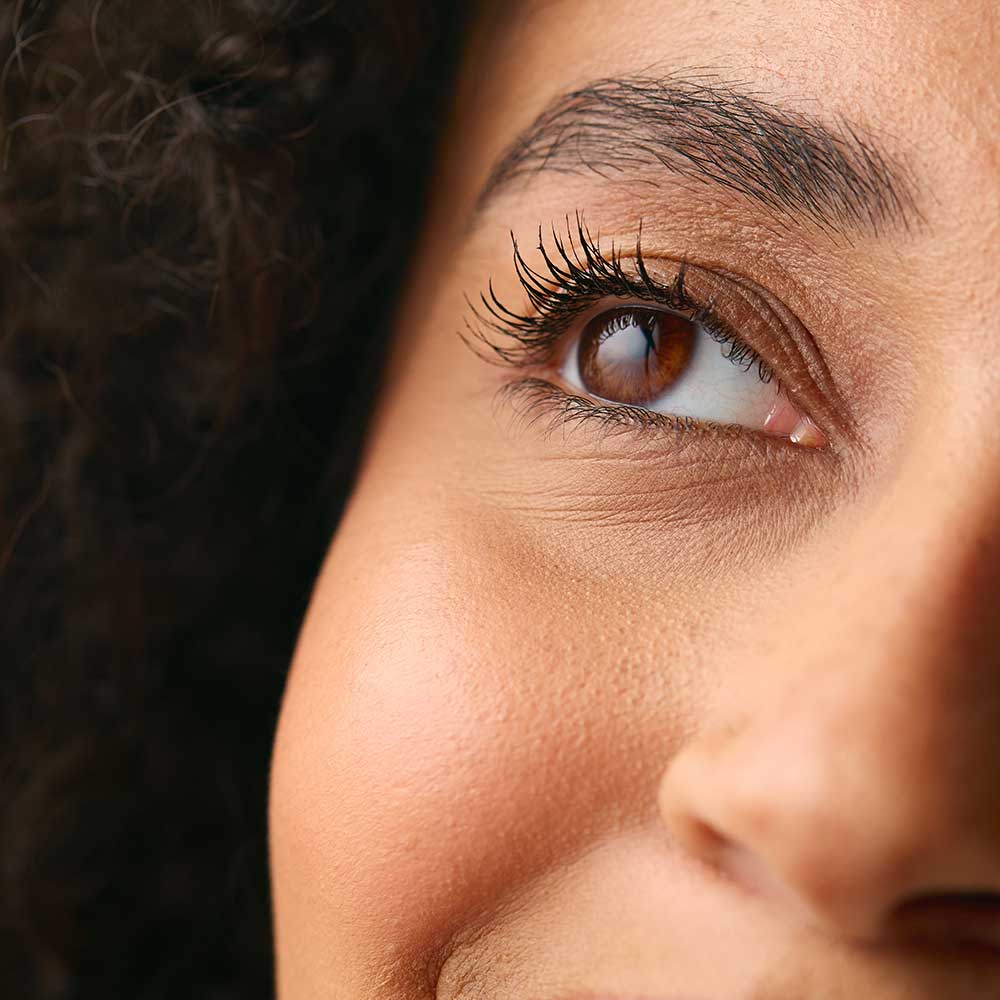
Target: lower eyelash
536,400
537,403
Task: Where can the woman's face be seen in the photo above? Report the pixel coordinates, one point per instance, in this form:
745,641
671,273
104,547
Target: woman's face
658,654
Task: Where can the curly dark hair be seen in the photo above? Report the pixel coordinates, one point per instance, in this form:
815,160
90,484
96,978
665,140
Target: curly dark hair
204,213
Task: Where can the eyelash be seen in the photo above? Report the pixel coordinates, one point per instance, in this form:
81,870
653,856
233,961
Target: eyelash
575,278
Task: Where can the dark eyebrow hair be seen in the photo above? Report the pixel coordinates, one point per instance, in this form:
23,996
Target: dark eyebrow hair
706,130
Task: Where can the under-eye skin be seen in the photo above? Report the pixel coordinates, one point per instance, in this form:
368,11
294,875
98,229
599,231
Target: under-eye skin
638,341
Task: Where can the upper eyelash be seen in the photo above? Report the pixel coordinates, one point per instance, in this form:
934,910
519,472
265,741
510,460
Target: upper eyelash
577,277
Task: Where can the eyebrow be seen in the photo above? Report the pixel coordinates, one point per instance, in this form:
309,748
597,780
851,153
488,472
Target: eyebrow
789,162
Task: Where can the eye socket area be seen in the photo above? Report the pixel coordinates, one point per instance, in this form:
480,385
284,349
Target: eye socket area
659,359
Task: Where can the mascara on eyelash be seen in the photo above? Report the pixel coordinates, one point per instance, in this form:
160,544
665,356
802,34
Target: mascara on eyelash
578,276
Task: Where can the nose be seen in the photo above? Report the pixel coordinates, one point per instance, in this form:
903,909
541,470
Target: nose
851,774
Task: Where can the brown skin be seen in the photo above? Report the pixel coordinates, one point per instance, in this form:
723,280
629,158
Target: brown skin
675,713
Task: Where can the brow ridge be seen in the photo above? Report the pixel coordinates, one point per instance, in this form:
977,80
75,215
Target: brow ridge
703,129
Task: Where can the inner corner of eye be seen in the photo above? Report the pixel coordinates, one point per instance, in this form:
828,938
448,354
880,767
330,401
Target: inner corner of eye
657,359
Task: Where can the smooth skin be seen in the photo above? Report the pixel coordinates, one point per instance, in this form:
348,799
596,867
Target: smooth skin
673,715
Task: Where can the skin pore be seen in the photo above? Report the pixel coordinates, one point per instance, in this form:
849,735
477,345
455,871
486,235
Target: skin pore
592,704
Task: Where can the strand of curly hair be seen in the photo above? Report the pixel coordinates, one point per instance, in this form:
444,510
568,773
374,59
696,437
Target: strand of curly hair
199,203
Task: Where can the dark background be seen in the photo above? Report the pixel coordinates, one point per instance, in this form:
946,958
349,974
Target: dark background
205,212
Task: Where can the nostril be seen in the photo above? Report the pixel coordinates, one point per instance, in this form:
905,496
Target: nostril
708,840
950,918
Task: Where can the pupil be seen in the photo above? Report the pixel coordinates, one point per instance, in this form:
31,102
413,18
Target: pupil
633,355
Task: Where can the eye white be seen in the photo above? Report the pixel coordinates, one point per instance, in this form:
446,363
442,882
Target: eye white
711,388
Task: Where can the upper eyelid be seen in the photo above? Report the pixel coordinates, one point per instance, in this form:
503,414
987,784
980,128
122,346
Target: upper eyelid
557,299
560,291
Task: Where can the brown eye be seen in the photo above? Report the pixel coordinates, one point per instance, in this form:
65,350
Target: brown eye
632,355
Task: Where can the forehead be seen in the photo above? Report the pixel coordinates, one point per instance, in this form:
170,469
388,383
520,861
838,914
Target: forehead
868,40
923,78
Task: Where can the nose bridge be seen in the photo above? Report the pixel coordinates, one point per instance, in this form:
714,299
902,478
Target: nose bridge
919,576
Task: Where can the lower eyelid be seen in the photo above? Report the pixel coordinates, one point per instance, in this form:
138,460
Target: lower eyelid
540,402
541,405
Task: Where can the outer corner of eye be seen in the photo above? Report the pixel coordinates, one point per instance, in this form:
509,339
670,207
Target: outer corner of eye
787,421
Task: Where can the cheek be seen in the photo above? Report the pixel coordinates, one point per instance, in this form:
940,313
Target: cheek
446,737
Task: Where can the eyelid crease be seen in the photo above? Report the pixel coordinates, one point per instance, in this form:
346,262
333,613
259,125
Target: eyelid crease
799,348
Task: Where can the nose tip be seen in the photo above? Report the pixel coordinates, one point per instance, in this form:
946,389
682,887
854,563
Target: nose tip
798,862
836,859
